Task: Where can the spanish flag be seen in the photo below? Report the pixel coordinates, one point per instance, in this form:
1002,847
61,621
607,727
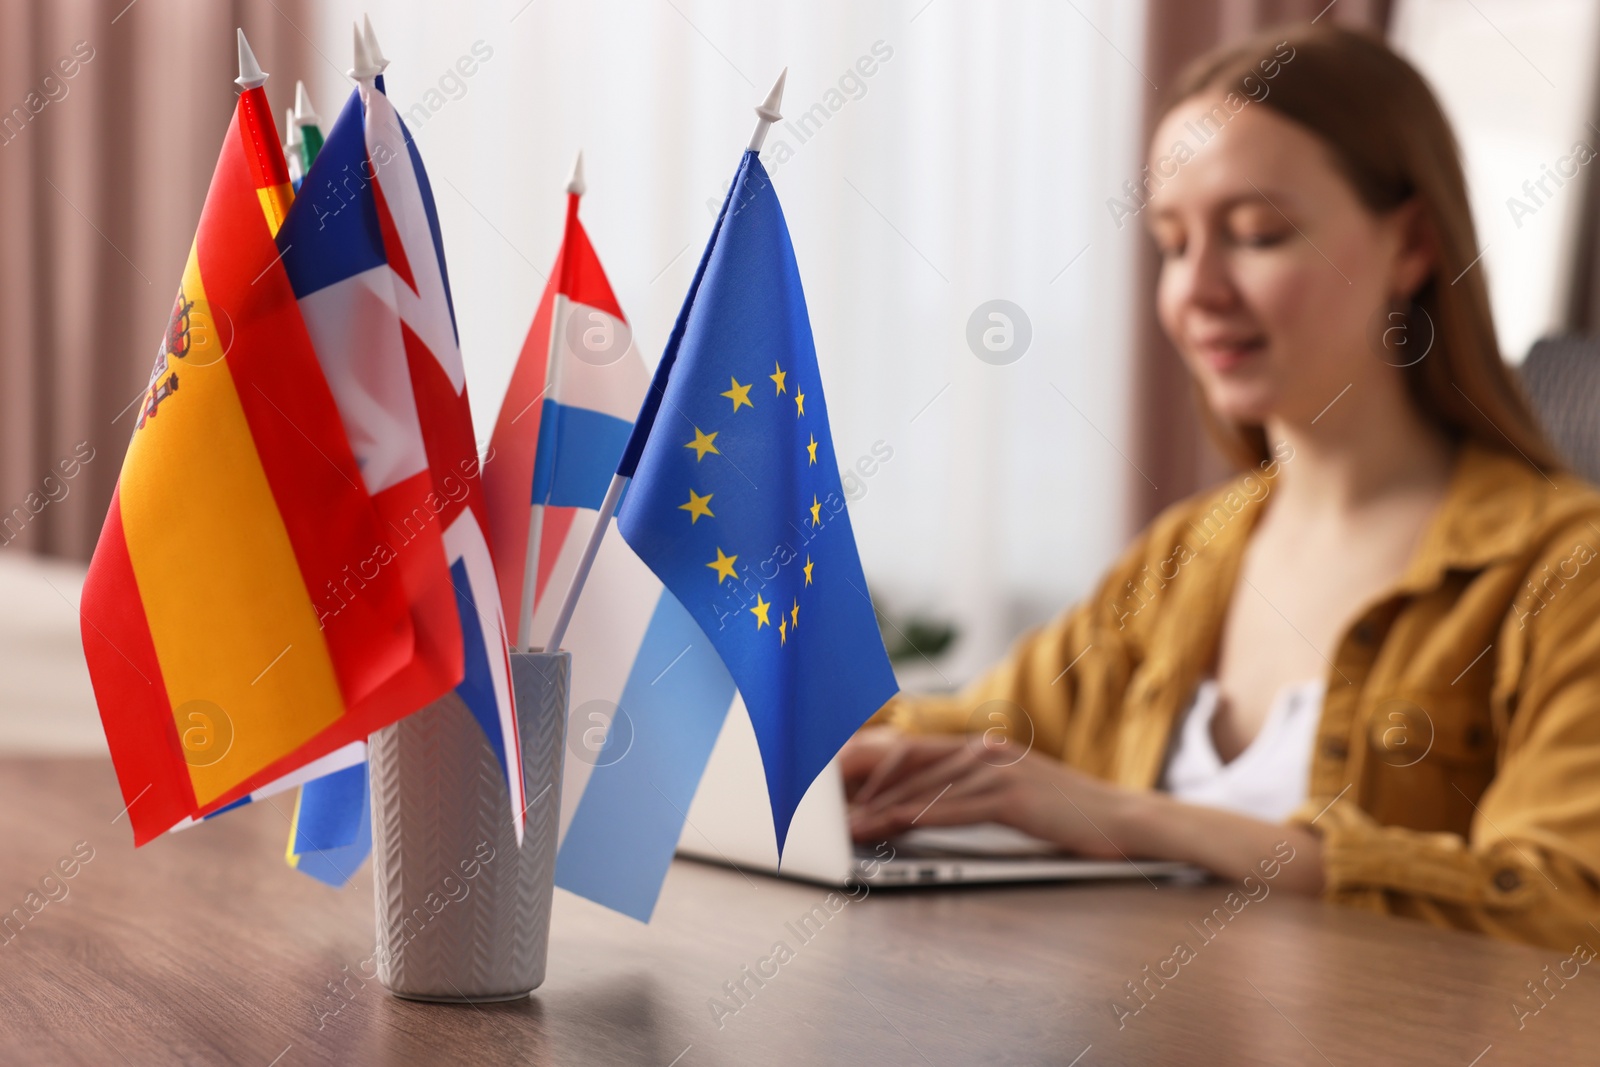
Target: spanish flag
240,508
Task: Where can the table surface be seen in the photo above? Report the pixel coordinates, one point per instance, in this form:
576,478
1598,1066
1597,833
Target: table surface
205,948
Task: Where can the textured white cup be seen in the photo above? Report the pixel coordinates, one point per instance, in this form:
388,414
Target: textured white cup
463,913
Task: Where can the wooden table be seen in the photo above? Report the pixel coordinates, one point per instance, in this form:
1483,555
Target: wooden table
205,948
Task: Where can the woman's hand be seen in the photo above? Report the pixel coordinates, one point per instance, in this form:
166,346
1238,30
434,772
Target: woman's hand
895,781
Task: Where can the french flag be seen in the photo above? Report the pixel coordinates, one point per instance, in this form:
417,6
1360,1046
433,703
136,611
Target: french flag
648,692
363,251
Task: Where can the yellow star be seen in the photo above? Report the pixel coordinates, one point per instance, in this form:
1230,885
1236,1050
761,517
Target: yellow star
783,630
779,377
816,511
739,394
799,404
797,612
697,506
807,569
723,565
703,443
760,612
811,449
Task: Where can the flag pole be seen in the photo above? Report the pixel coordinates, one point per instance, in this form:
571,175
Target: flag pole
530,572
255,116
767,112
291,148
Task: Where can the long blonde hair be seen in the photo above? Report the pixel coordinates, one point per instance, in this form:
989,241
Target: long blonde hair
1392,142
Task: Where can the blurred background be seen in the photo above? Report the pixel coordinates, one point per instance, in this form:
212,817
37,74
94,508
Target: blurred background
942,161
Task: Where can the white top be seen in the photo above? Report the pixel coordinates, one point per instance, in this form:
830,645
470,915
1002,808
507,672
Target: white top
1268,779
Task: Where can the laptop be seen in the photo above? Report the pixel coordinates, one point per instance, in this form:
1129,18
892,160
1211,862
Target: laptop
730,823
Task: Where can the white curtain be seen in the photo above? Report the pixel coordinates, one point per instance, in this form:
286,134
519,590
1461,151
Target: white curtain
1517,81
956,152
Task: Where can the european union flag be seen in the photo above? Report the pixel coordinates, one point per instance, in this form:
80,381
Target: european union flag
737,505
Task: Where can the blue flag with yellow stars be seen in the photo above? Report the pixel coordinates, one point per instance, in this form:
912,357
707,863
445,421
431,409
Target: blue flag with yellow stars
736,502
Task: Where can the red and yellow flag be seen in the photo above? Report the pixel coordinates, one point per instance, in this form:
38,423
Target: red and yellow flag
214,671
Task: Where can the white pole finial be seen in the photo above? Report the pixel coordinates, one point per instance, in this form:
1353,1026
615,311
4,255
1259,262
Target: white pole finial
289,123
374,53
304,113
767,113
251,76
575,184
364,70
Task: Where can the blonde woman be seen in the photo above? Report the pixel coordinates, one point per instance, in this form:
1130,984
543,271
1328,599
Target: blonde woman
1380,643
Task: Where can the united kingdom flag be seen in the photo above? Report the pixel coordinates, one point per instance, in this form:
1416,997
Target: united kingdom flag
363,252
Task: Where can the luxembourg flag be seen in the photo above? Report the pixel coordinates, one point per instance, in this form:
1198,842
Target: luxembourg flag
364,253
648,693
576,387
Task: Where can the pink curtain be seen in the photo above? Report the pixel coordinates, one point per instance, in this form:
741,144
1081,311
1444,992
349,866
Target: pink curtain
111,117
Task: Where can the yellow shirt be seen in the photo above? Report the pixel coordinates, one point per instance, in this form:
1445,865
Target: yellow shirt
1456,772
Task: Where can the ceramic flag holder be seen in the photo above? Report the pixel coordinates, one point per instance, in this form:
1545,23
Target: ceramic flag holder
463,913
